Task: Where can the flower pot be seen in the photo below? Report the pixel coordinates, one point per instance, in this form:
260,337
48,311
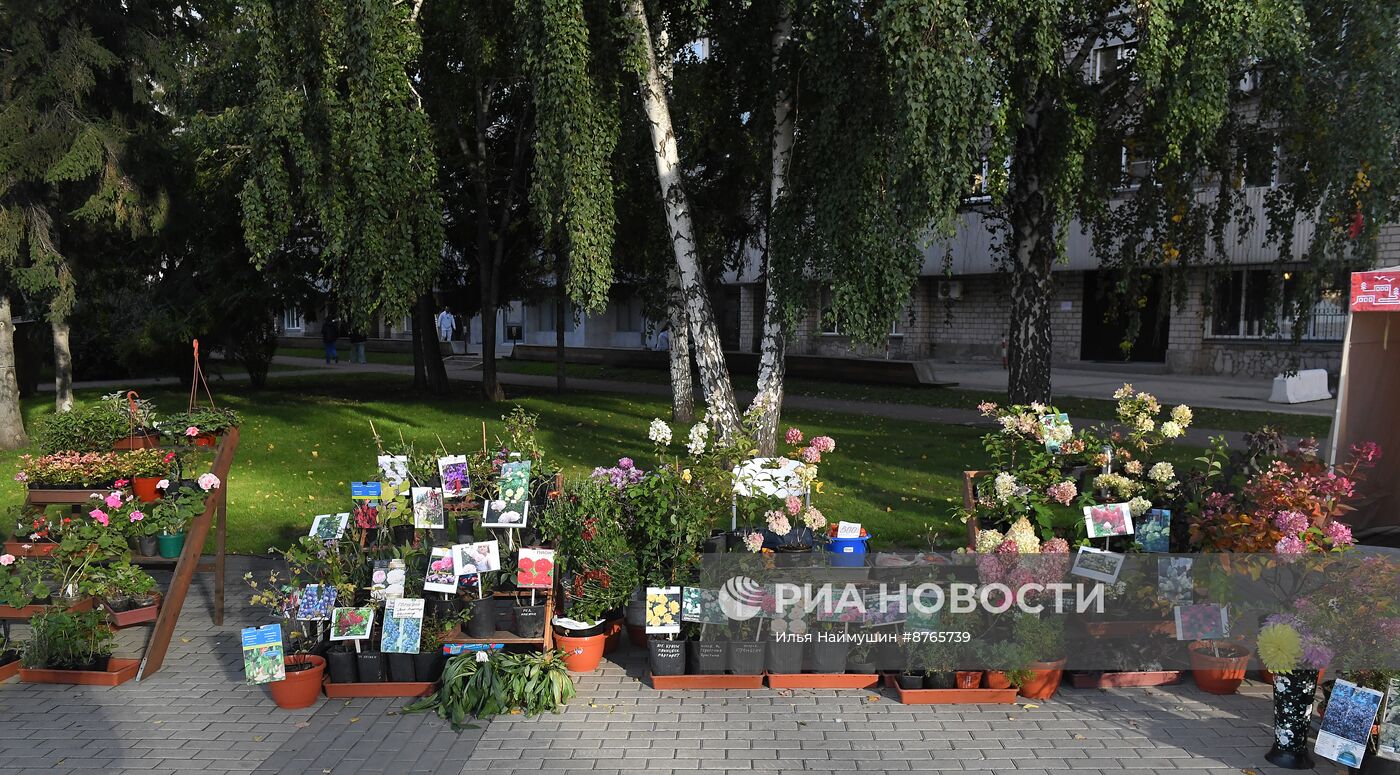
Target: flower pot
910,681
148,546
666,657
581,654
1218,668
370,667
483,621
205,440
830,657
529,621
439,607
636,613
1044,680
996,679
137,440
717,543
402,534
785,657
505,616
428,665
848,552
302,685
746,657
401,668
860,668
612,632
170,546
707,657
145,488
637,634
1294,694
340,666
940,679
967,679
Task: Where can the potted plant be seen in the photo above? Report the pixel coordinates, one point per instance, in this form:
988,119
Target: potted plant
486,684
68,641
860,659
1005,663
429,661
1042,638
304,670
70,470
147,467
21,582
127,593
180,504
84,428
138,415
200,426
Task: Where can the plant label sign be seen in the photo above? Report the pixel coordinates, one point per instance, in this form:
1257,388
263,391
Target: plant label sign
1388,745
456,482
1114,519
480,557
352,623
848,530
1154,534
316,603
386,581
1202,621
427,508
1056,430
262,654
329,527
442,574
366,491
1346,726
1098,565
535,569
403,626
1174,582
701,606
511,508
663,610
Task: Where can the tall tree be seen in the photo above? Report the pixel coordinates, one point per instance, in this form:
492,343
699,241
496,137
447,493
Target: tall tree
80,83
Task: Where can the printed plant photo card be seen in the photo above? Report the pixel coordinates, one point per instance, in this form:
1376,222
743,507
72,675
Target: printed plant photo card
1202,621
842,609
480,557
534,568
663,610
352,623
394,468
1346,725
403,626
329,527
511,508
1174,583
1114,519
262,654
884,609
1098,565
442,571
427,508
316,602
456,482
702,606
1057,431
386,581
1389,742
1155,532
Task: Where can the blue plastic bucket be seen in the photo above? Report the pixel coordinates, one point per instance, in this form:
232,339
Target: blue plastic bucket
848,552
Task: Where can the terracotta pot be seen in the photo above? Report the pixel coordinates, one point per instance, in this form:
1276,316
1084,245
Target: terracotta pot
581,655
1218,674
613,641
969,679
301,688
140,440
1044,680
997,680
207,440
145,488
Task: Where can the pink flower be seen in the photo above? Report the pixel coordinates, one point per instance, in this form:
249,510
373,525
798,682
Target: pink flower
811,455
625,463
163,484
1339,534
121,483
100,516
778,523
208,482
1291,522
1055,546
21,477
753,542
1290,545
814,519
1367,453
794,436
986,407
137,516
1062,492
192,431
793,504
7,559
113,500
824,444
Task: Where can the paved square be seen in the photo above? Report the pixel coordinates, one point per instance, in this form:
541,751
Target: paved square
196,715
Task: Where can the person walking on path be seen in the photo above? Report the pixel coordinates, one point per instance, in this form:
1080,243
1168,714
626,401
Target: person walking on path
329,333
357,346
445,325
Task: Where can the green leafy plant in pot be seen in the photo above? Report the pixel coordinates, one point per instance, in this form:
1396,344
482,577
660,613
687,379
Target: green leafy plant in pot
65,640
1042,638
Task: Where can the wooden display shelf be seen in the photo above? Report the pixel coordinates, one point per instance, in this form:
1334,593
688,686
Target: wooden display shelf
705,681
1125,679
822,680
337,691
951,696
6,612
9,670
30,548
501,636
64,496
1127,628
118,672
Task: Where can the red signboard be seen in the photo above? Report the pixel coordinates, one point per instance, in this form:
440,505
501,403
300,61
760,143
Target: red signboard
1377,291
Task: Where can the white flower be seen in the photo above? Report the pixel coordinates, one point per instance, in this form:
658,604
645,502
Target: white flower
988,541
698,435
1023,535
1146,424
1133,467
163,484
1172,429
1139,506
1004,487
1161,473
1182,415
659,432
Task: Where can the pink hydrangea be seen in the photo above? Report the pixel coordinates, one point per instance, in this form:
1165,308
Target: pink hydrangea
113,500
794,436
100,516
7,559
824,444
1291,522
1366,453
793,504
1055,546
811,455
1339,534
137,516
1062,492
1290,545
753,542
814,519
778,523
208,482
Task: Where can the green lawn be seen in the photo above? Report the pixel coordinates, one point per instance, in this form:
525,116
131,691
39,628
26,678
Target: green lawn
305,439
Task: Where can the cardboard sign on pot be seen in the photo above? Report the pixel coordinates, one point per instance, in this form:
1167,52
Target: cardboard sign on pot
262,654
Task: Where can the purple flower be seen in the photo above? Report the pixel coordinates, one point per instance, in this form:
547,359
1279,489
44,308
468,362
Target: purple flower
625,463
1290,545
1339,534
1291,522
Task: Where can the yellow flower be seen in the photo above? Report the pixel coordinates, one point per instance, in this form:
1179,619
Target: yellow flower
1280,648
685,476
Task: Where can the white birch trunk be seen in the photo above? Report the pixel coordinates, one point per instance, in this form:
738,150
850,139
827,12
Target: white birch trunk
62,367
12,435
682,392
709,355
766,409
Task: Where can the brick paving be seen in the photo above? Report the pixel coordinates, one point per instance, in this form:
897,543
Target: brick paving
196,715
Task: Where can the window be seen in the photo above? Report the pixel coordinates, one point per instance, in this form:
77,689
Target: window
1110,59
1244,299
545,316
831,320
979,187
292,319
1134,168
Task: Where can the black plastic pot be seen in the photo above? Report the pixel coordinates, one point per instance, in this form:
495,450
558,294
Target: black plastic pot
370,665
529,621
910,681
940,680
829,657
860,668
708,657
341,667
401,667
483,621
505,617
438,608
464,530
785,657
746,657
402,534
718,542
428,665
148,545
666,657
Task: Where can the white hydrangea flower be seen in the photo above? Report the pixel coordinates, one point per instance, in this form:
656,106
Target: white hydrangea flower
988,541
1023,535
1182,416
699,434
1172,429
659,432
1004,487
1139,506
1161,472
1146,424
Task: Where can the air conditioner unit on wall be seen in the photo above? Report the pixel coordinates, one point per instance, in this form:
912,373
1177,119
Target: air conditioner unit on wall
950,289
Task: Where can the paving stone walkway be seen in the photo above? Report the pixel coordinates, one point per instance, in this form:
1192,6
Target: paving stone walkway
196,715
